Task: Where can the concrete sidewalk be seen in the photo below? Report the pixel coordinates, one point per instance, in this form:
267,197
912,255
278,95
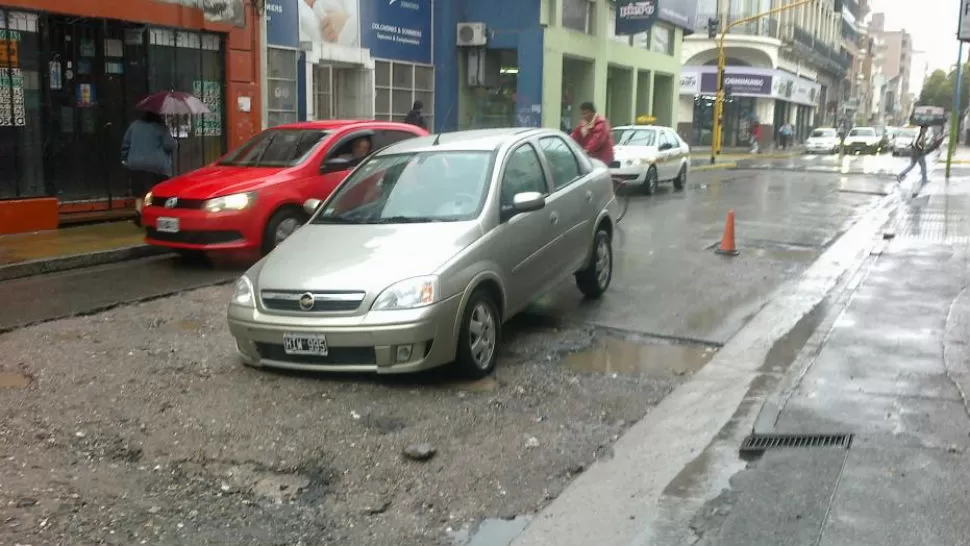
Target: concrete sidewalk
28,254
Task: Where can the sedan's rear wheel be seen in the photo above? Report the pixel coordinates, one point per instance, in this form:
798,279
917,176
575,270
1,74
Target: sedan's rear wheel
481,330
595,278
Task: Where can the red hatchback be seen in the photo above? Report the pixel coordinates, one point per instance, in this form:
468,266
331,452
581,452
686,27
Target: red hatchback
252,198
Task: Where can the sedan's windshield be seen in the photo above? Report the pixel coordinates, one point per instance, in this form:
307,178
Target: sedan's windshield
862,132
906,134
409,188
823,133
634,137
275,148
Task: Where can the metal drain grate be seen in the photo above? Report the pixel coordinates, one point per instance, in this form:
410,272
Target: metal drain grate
756,443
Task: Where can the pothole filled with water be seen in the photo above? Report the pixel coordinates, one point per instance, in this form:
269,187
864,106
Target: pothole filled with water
13,380
613,355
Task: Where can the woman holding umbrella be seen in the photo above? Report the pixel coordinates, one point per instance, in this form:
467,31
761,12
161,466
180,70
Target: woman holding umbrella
148,145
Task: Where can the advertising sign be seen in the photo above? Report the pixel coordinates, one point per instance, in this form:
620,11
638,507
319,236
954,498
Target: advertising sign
680,13
690,83
397,29
283,23
739,83
334,22
963,30
218,11
635,16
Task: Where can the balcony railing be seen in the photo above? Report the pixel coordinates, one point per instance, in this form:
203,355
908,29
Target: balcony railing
766,27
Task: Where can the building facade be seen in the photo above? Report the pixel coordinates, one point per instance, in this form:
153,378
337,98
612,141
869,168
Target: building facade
348,59
70,76
507,63
855,40
782,69
896,65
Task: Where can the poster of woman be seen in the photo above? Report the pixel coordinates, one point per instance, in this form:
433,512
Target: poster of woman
330,21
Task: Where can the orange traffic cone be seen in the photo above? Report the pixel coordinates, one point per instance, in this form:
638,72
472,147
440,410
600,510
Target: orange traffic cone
727,247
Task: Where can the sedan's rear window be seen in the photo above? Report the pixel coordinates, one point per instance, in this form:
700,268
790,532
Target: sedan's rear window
275,148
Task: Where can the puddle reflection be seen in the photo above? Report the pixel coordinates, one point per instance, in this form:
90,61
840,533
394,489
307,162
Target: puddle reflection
13,380
619,356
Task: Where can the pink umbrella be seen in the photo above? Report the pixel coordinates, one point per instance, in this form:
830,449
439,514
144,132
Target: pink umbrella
172,103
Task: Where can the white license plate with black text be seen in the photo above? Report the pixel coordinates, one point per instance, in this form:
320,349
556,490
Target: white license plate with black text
167,225
305,344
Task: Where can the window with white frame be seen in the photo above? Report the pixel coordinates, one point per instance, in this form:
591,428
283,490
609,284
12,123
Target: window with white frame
398,85
662,39
282,94
323,91
579,15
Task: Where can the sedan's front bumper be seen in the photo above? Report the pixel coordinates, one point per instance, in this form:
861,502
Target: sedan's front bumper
383,342
634,174
852,147
815,148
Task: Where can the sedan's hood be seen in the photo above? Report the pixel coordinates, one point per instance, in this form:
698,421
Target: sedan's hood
361,257
822,140
861,138
215,181
634,152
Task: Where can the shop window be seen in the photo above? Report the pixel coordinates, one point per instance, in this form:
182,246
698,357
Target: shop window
579,15
21,122
323,91
192,62
281,80
398,86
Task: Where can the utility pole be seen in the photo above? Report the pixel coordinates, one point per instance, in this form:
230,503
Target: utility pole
721,61
956,114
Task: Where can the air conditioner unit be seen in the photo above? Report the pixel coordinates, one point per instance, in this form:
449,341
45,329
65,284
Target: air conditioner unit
471,35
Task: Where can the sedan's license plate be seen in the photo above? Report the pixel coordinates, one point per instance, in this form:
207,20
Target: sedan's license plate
305,344
167,225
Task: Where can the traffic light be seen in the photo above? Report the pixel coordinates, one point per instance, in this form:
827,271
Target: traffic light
713,25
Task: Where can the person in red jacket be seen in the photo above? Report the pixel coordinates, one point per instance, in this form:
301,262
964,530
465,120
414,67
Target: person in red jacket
594,134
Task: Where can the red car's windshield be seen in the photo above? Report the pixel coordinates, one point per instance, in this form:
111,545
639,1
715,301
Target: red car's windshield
276,148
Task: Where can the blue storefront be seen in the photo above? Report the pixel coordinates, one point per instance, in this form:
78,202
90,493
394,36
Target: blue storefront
348,59
495,85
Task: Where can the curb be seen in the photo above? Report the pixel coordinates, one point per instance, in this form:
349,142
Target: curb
76,261
728,165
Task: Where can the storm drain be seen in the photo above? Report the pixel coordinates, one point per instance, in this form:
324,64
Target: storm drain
756,443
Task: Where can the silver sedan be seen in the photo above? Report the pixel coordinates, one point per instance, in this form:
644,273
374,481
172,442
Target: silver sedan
428,247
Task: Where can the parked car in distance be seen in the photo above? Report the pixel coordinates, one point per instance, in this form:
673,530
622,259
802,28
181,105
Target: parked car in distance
252,198
823,141
424,252
863,140
645,155
903,143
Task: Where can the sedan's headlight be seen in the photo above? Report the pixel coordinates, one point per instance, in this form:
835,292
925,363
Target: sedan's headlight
243,293
408,294
236,201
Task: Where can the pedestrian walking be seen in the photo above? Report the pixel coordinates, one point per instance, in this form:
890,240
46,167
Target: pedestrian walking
756,138
415,117
146,151
787,130
917,157
594,134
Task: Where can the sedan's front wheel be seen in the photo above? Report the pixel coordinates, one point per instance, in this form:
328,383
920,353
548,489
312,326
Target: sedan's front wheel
595,278
481,330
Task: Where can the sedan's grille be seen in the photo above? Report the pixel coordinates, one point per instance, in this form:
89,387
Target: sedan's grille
349,356
330,301
159,201
211,237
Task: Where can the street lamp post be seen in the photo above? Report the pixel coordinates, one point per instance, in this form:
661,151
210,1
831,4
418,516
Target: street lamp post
721,61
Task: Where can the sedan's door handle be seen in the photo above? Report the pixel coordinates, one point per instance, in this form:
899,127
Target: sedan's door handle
589,196
554,218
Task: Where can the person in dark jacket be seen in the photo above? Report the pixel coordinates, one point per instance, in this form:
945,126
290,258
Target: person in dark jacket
414,117
146,150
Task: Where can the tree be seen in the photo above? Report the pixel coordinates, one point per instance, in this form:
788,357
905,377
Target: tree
938,89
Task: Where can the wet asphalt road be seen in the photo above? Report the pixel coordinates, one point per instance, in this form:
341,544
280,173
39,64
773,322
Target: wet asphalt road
138,424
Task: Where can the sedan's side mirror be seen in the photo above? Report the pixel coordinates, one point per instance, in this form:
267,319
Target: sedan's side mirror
528,201
310,206
614,164
336,164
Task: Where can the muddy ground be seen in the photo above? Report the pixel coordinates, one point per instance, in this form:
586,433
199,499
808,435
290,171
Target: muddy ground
139,426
